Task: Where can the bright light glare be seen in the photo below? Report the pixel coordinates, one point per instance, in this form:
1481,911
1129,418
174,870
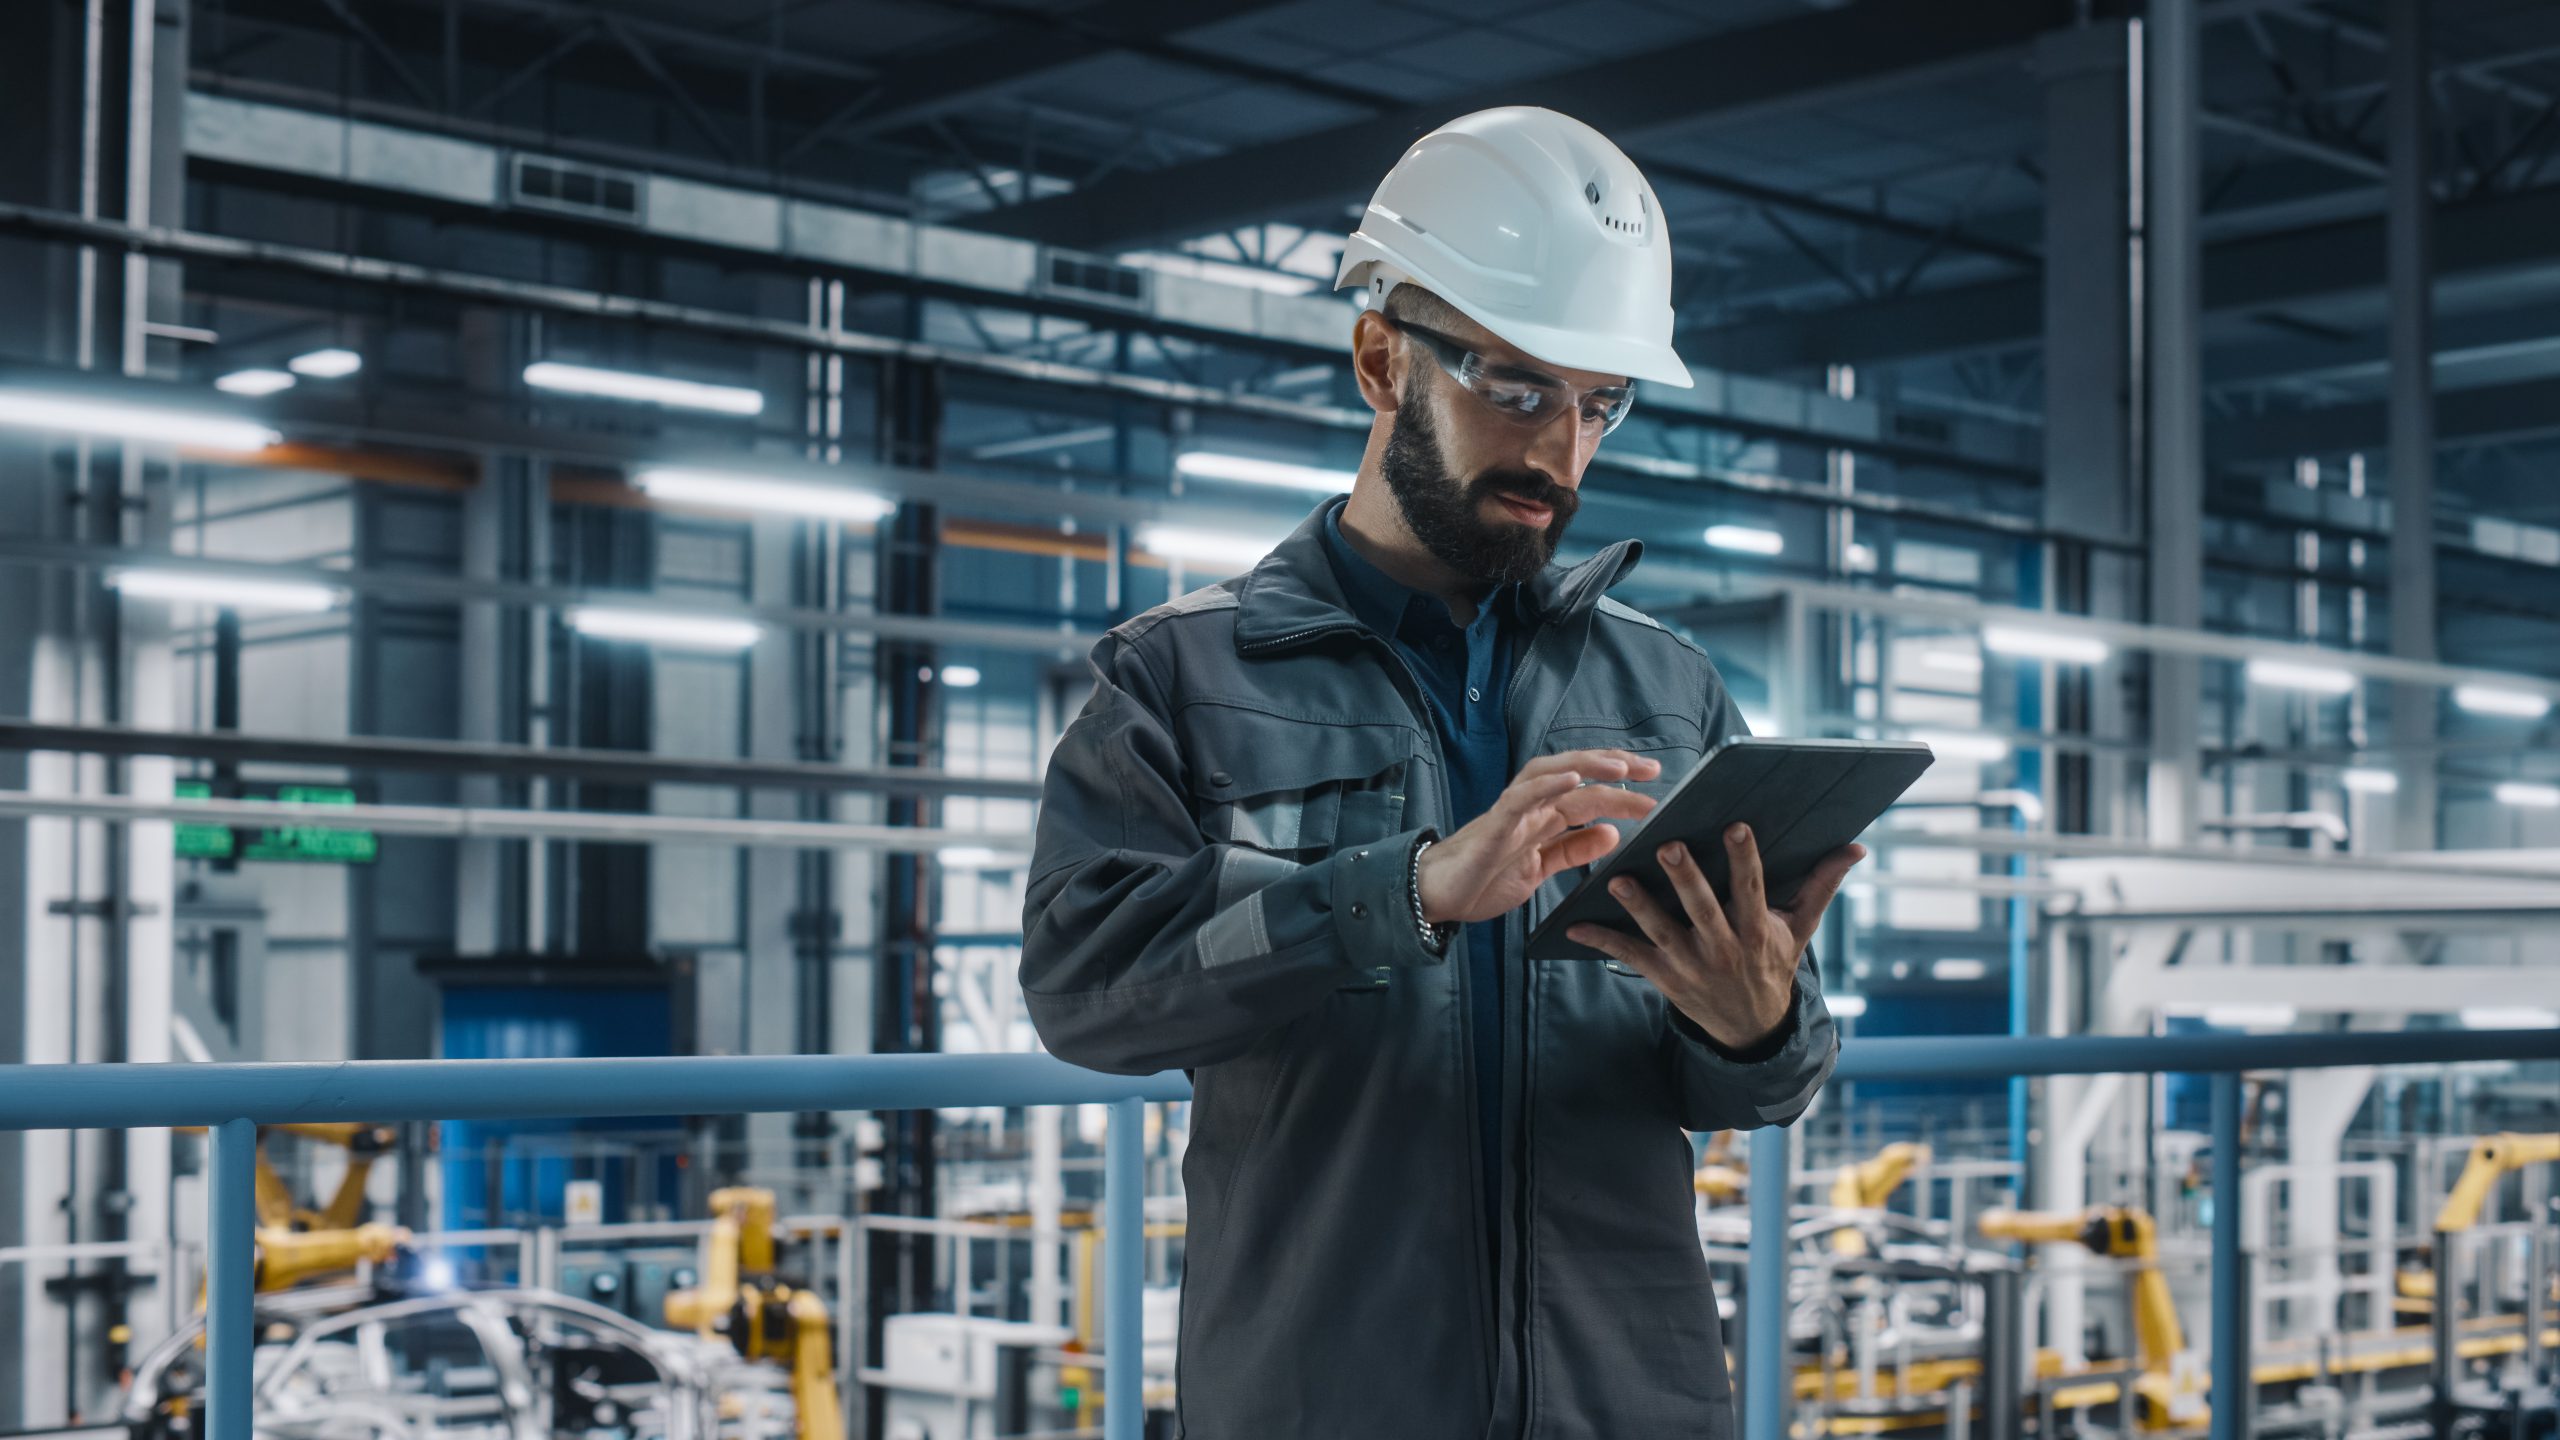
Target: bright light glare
326,364
650,389
2492,700
960,677
653,627
2509,1017
2043,644
132,422
1748,539
2289,675
199,588
435,1273
1957,746
1957,969
1846,1007
974,857
1203,547
2528,795
2365,780
1246,470
755,492
254,382
2249,1017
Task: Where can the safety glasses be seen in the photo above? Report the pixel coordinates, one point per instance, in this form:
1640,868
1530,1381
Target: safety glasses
1524,397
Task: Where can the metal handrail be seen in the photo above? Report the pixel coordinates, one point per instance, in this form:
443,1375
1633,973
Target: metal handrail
232,1100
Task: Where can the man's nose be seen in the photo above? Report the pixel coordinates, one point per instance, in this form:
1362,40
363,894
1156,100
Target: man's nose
1563,448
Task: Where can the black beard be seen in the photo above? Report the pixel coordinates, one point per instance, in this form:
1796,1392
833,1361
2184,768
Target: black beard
1446,516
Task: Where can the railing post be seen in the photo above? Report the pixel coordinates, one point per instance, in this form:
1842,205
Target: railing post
2230,1300
1124,1249
1764,1292
230,1280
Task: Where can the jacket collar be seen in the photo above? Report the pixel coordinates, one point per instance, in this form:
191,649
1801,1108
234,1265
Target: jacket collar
1292,594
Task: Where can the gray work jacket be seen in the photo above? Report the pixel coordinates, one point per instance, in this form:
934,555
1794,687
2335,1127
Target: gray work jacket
1219,884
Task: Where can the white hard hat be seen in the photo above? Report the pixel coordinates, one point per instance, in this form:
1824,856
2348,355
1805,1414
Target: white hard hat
1537,228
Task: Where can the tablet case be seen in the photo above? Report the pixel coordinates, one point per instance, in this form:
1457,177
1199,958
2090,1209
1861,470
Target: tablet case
1802,799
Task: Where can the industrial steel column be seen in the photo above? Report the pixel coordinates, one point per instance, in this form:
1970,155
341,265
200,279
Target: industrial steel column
2231,1395
230,1279
906,1014
2409,238
2173,386
1764,1291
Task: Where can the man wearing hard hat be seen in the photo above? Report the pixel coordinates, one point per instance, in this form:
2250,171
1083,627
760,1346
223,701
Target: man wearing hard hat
1295,842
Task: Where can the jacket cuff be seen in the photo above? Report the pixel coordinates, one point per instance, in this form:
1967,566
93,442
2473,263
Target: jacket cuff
1784,1047
1767,1050
1373,904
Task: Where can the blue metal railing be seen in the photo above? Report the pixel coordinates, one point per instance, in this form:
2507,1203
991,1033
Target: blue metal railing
233,1100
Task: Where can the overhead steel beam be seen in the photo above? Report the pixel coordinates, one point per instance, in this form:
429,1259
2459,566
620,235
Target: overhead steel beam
2507,232
1806,61
2487,414
1034,45
459,823
1908,606
456,757
462,589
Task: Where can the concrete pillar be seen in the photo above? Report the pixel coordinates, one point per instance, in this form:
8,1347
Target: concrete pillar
2408,230
2172,438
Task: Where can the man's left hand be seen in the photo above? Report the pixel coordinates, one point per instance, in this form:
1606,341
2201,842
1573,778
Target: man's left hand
1729,967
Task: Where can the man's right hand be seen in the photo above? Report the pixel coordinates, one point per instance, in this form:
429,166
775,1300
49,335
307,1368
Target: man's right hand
1498,860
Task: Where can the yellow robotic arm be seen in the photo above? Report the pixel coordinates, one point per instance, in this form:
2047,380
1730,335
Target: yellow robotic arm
2121,1232
740,1293
2492,1156
1867,1185
286,1258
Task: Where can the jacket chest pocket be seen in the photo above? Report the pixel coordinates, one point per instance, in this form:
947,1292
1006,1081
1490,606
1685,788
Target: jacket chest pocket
1299,790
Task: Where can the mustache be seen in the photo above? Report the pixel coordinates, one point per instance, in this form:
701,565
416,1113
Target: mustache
1529,486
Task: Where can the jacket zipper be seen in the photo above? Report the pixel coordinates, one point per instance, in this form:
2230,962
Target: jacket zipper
1466,1024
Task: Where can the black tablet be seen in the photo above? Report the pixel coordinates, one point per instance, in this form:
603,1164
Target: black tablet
1802,799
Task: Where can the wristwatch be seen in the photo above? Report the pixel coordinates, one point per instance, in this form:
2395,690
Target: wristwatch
1435,938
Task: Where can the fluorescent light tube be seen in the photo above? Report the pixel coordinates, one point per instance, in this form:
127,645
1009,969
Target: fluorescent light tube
1247,470
2365,780
196,587
655,627
2493,700
1957,969
1748,539
1957,746
2292,675
132,422
2528,795
1961,662
1846,1007
960,677
253,382
2043,644
973,857
1203,547
757,492
2509,1017
649,389
2250,1017
326,364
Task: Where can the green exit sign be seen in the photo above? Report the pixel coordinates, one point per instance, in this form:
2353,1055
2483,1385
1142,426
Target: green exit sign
276,842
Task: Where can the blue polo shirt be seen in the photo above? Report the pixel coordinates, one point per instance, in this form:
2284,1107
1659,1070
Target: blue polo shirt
1466,676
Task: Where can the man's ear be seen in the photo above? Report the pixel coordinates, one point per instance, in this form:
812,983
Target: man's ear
1373,360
